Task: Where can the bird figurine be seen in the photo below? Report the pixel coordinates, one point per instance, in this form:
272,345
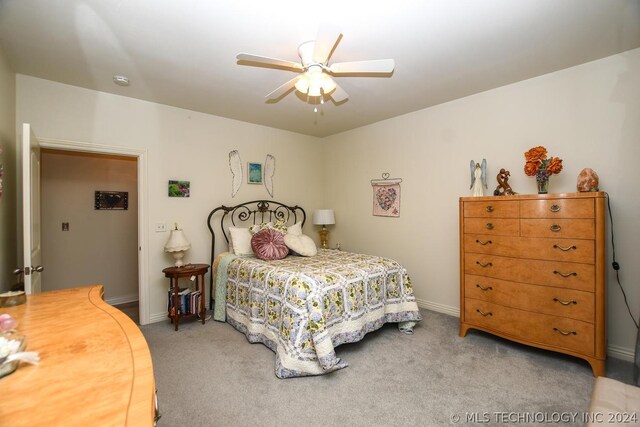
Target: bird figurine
478,177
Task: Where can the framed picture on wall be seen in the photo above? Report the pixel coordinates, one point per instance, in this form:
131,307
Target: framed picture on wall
112,200
179,188
254,173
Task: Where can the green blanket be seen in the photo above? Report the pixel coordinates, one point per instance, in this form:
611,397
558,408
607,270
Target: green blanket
219,308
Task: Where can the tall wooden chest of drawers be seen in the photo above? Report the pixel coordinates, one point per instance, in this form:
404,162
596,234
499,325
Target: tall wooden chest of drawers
532,270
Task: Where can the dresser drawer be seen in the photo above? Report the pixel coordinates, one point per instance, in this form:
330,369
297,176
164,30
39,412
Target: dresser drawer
569,275
546,329
561,302
492,209
488,244
570,250
557,208
492,226
560,228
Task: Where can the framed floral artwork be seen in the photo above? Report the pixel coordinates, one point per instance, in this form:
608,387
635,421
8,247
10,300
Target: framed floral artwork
386,200
179,188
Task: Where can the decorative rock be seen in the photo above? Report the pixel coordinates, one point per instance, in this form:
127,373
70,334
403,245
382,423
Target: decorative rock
588,180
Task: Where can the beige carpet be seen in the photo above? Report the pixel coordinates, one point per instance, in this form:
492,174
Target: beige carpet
209,375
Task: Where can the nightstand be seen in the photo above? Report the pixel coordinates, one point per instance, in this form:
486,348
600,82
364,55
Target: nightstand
195,271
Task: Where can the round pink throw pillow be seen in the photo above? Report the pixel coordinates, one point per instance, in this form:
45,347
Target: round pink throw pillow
268,244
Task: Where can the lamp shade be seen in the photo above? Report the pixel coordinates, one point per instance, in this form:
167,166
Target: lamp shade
177,242
324,217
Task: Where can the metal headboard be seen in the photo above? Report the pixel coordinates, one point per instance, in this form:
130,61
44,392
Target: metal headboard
247,214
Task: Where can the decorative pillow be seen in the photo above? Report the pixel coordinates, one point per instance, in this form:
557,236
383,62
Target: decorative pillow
299,243
302,245
268,244
295,229
240,241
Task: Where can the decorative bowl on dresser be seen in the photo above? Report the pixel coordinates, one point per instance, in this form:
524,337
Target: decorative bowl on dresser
532,270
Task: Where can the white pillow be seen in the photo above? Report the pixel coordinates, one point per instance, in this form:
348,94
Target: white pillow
240,241
298,242
295,229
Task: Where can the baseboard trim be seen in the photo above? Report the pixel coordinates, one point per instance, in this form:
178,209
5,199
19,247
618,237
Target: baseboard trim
122,300
439,308
158,317
615,351
623,353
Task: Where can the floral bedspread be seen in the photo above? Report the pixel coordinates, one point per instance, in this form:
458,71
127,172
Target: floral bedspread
302,308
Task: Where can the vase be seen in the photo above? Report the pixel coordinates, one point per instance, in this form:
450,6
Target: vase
543,186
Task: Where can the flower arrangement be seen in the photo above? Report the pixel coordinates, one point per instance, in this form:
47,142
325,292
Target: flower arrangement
538,165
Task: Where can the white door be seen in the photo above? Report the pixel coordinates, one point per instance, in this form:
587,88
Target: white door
32,251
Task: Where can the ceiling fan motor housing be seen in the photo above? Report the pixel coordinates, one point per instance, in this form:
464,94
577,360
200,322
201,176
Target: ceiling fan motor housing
305,51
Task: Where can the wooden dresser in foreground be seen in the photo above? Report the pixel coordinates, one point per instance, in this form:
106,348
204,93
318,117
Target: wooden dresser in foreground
532,270
95,367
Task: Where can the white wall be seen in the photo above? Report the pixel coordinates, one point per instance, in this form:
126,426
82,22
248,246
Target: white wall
8,260
588,115
68,185
180,144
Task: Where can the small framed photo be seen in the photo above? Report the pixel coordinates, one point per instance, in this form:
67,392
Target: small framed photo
179,188
254,173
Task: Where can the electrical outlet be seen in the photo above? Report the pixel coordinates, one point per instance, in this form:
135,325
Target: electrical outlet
161,227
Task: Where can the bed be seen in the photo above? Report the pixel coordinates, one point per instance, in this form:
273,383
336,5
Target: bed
302,308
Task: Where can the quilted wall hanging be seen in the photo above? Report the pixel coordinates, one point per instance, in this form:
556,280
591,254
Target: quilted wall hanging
386,196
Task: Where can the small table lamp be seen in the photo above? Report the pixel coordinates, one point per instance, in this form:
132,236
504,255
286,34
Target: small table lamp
324,217
177,245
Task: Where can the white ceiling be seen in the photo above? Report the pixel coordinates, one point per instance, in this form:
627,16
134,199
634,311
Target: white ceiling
182,53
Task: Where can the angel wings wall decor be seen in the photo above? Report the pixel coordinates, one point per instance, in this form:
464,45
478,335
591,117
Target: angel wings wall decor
478,177
235,164
269,172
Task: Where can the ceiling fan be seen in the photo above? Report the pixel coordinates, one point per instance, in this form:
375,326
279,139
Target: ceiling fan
315,75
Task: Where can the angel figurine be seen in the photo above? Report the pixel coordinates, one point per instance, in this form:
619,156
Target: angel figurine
478,177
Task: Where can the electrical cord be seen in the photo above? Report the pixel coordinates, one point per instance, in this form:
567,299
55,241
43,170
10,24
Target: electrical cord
615,264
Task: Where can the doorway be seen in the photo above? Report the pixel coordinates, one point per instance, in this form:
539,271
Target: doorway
136,158
89,223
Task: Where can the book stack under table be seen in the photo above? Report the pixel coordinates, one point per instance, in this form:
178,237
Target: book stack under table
188,302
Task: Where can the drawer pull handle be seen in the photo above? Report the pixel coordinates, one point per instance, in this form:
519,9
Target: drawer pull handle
555,228
482,313
565,302
568,248
485,242
489,226
488,288
565,332
555,208
573,273
484,264
489,208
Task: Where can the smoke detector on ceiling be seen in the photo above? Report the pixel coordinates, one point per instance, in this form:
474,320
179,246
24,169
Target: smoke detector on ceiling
121,80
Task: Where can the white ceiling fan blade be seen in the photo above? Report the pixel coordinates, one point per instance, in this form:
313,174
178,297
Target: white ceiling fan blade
376,66
339,95
283,89
281,63
327,39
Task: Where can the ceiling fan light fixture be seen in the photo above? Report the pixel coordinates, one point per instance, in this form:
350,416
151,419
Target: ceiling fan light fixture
315,82
302,85
328,85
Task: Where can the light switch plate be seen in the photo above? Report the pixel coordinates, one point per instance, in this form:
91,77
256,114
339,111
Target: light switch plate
161,227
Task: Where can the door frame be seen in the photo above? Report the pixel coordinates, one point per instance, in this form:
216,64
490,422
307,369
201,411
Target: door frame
143,243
